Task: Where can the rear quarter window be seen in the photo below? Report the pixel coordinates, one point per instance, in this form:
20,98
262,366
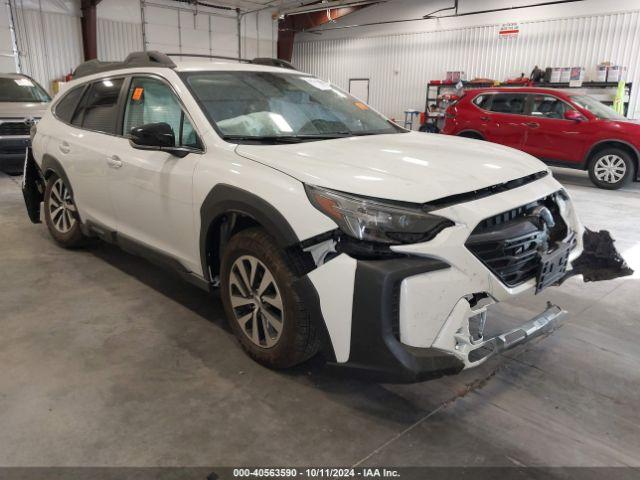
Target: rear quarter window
483,101
99,108
66,106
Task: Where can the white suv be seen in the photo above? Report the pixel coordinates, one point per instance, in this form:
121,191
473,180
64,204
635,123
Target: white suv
326,226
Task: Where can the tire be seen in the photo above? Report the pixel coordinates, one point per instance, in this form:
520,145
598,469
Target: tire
611,168
253,313
61,215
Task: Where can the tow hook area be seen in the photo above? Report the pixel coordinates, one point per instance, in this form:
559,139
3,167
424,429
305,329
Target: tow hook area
473,349
599,260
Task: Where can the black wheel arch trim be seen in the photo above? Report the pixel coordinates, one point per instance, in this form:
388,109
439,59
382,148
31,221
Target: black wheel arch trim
475,132
224,199
51,164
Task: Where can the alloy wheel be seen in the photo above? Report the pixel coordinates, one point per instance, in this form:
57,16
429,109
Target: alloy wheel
61,207
610,169
256,301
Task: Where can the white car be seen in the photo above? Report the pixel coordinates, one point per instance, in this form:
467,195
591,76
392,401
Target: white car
326,227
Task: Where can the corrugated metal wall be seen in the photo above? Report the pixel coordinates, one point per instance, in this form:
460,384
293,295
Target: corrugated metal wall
117,39
259,35
179,30
50,44
400,66
7,53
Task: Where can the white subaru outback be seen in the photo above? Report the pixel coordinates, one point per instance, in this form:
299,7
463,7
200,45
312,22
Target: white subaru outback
326,227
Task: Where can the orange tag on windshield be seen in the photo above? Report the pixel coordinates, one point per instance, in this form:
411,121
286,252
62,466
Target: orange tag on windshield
361,106
137,94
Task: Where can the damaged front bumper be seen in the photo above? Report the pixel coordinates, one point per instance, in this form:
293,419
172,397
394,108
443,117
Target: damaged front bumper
32,187
391,296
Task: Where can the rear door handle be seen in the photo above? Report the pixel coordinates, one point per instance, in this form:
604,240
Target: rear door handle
484,119
532,124
64,147
114,161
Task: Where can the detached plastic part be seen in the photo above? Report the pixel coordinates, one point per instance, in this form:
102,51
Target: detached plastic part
599,260
32,187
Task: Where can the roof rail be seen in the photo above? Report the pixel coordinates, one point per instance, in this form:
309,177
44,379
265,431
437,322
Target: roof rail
159,59
135,59
204,55
273,62
270,62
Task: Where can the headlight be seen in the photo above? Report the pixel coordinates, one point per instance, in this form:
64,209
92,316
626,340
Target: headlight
377,220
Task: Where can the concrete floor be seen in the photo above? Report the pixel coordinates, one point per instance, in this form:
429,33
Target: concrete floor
108,360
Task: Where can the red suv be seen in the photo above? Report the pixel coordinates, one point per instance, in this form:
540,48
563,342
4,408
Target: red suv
559,127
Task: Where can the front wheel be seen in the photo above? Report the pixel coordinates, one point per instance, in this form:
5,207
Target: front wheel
61,214
611,168
263,304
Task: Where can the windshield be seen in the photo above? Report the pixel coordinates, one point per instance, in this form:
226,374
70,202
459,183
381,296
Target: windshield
600,110
21,89
265,106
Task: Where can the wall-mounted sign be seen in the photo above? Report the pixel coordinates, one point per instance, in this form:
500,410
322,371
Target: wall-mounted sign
509,30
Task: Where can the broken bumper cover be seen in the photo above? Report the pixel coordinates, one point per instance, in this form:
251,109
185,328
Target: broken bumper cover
600,260
32,186
376,351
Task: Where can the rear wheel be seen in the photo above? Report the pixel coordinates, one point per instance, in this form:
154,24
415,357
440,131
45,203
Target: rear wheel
61,215
611,168
263,304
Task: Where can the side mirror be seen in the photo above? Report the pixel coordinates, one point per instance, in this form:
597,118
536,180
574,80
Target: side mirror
574,116
156,136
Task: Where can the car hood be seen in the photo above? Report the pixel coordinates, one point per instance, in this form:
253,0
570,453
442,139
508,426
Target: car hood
411,167
22,109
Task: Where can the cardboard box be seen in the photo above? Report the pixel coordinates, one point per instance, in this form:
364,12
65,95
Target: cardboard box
615,73
555,75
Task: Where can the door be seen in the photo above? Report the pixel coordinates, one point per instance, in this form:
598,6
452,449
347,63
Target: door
82,150
359,88
152,191
549,136
503,123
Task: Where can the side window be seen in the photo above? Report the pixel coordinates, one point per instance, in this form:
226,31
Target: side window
508,103
99,108
548,106
483,101
152,101
68,103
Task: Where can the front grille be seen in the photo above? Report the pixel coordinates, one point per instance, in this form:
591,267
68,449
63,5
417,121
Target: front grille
14,128
509,243
513,260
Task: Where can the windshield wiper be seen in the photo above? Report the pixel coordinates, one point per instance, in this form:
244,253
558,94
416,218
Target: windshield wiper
285,138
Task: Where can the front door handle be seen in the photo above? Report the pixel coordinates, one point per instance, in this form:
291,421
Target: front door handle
114,161
64,147
484,119
532,124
